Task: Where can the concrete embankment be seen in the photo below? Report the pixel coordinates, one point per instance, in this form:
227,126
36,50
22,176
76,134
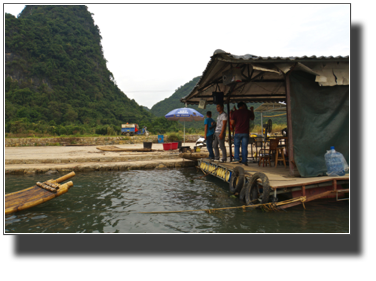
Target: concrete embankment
52,159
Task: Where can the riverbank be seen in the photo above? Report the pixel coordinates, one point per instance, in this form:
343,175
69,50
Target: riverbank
63,159
86,141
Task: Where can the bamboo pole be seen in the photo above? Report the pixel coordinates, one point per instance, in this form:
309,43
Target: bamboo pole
270,206
64,178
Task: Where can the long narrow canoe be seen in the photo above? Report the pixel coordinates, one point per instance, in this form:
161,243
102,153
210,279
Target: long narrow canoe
111,148
194,155
35,195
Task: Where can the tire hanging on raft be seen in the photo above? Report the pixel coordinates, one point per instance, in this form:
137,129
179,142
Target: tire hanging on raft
237,179
251,190
242,192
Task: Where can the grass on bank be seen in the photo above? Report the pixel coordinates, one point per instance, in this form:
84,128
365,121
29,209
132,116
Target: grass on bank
174,136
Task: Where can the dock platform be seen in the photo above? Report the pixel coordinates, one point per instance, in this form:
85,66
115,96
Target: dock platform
281,182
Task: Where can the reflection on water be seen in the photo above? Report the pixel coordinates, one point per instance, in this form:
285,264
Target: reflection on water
109,202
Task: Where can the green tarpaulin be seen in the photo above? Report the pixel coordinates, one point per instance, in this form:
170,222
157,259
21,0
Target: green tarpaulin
320,119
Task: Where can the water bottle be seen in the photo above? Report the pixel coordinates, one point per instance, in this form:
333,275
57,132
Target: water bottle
335,163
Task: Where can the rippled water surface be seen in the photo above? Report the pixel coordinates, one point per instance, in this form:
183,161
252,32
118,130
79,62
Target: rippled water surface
108,202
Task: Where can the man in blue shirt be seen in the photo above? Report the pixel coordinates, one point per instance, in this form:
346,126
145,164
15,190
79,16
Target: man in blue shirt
209,133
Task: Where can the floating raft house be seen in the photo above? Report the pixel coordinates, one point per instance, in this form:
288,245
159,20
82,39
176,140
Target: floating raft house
315,93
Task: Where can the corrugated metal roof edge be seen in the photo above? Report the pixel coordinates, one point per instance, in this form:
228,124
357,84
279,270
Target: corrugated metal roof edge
290,58
247,101
221,53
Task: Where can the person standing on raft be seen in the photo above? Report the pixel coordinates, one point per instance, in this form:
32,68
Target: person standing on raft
240,119
209,133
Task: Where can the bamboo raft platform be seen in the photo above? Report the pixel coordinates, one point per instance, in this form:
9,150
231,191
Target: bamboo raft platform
281,182
33,196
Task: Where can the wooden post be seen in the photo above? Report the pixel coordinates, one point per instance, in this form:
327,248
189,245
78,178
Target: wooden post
228,119
289,125
303,190
228,126
335,184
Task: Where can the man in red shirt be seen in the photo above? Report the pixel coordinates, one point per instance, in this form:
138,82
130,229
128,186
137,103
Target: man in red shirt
240,120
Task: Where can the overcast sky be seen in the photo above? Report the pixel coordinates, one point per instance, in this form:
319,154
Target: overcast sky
153,49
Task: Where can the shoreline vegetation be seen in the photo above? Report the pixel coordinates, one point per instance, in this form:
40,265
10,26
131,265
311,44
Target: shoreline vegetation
173,136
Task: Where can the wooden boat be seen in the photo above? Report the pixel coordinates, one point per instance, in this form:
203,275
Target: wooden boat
118,149
194,156
35,195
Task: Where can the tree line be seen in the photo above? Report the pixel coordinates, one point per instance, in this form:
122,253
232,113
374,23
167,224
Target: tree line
57,81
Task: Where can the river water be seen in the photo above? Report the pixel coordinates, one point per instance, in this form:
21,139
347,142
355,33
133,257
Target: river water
110,202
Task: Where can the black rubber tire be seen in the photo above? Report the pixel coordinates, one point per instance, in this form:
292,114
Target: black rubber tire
248,194
242,192
252,192
237,173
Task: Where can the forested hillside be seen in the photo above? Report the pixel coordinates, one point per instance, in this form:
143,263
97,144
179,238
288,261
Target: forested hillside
57,81
163,107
